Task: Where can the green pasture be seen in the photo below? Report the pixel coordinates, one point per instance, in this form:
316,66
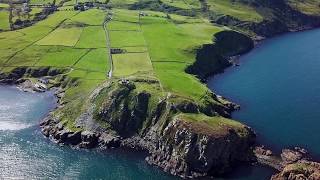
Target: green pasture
131,63
62,36
235,9
183,4
62,57
90,17
172,47
135,49
95,60
4,5
122,3
40,1
4,20
92,37
120,25
125,15
126,38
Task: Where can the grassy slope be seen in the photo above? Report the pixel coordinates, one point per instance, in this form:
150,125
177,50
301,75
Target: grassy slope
307,6
235,9
171,55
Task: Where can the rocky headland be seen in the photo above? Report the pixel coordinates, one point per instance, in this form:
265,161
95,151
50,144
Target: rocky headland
177,135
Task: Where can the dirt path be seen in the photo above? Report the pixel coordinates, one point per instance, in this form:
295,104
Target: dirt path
108,46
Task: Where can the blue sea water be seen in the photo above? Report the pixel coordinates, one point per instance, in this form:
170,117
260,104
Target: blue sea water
278,88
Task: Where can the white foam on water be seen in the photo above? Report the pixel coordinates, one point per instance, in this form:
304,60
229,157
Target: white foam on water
12,126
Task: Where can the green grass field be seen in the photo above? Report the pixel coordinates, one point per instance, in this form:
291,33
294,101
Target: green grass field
64,40
92,37
131,63
183,4
96,60
235,9
4,20
62,36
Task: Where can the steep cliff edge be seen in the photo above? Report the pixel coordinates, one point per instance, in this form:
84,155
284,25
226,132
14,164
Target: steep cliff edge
214,58
197,145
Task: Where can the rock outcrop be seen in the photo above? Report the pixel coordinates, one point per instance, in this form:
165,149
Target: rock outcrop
301,170
127,117
214,58
192,149
292,164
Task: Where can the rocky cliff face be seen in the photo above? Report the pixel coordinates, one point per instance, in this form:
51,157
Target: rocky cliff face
124,116
191,149
214,58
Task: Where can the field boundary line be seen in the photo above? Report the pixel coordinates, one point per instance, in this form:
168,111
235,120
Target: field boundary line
120,30
82,29
81,57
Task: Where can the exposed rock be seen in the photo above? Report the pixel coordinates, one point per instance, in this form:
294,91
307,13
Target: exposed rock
109,141
302,170
266,157
214,58
29,86
89,139
289,156
293,164
188,152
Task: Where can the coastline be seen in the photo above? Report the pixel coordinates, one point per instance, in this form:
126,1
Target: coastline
89,138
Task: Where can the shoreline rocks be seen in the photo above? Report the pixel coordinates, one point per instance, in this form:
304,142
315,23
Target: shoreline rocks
301,170
292,164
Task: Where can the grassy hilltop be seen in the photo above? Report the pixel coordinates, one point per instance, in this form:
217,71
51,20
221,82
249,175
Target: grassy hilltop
163,47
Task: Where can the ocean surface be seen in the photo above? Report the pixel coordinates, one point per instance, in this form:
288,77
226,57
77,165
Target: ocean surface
278,88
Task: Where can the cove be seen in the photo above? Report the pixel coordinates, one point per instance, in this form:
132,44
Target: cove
277,86
26,154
